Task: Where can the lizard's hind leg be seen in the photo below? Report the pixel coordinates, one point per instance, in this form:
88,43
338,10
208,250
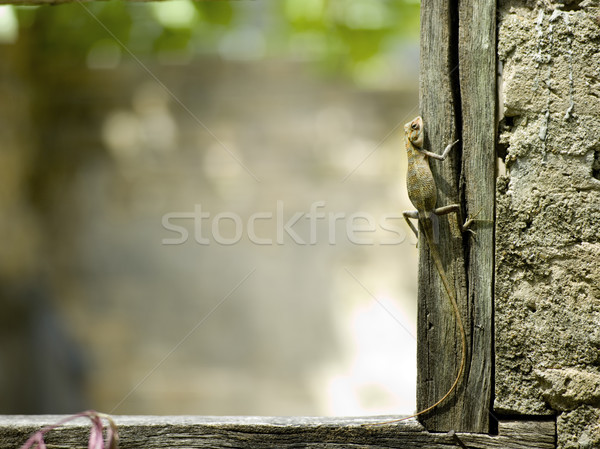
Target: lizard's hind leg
414,214
455,208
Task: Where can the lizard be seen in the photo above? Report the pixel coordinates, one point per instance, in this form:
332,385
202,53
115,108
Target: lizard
422,193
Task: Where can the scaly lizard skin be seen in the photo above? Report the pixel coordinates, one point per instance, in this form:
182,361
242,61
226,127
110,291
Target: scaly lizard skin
422,193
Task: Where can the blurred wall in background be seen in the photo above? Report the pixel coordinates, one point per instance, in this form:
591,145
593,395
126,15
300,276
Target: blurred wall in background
159,255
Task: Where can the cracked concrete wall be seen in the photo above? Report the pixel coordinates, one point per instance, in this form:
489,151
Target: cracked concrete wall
547,313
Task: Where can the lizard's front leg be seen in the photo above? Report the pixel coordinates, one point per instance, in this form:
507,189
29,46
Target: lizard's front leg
439,157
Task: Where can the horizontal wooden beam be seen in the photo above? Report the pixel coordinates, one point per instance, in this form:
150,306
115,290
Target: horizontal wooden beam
153,432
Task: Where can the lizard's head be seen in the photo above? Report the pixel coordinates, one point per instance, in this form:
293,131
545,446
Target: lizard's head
414,132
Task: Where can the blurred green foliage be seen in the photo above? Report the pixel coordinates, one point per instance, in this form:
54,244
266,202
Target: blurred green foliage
342,36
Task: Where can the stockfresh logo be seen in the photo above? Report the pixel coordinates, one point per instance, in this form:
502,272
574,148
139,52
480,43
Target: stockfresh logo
281,227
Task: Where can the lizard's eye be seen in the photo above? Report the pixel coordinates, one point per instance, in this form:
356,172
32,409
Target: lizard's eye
415,126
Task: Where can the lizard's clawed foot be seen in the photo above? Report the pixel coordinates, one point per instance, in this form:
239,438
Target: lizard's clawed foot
466,227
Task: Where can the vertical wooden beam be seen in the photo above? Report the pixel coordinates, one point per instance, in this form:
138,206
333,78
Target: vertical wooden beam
458,76
477,70
438,342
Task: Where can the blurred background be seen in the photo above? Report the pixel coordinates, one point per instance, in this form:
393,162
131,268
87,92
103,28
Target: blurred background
200,207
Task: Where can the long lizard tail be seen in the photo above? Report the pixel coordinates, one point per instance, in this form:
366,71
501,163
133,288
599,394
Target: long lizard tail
435,255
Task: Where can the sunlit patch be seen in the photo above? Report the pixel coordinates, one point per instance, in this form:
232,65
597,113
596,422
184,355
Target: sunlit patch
364,15
309,10
148,129
175,13
121,134
9,26
157,125
377,379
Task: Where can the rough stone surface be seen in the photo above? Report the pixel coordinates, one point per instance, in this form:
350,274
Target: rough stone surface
565,389
579,428
548,215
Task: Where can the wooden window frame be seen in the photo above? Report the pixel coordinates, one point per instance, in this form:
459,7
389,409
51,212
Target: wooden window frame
456,102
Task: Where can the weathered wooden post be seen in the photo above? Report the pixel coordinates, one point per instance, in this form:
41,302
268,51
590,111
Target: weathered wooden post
458,98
